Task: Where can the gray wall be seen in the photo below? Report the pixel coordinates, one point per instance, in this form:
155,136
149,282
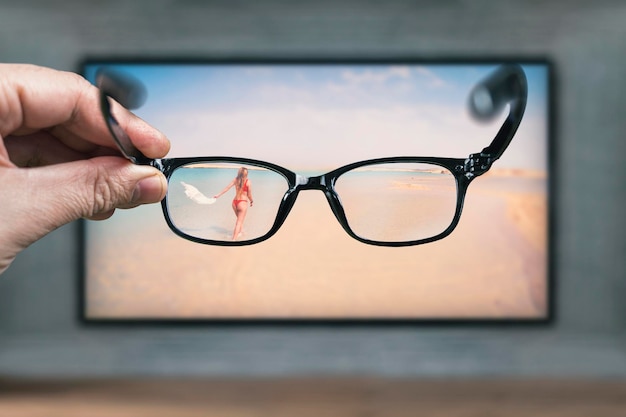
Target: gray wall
39,332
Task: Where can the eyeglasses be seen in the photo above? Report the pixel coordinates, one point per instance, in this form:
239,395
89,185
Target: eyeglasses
394,201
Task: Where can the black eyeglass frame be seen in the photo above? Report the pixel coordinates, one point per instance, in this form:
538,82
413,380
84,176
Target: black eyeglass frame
506,85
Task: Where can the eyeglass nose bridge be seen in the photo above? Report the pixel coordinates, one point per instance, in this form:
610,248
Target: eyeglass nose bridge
310,183
325,184
321,183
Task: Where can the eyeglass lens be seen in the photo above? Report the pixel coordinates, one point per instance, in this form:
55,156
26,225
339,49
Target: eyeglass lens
193,209
398,202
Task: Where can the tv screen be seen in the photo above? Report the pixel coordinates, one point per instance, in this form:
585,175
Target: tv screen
312,117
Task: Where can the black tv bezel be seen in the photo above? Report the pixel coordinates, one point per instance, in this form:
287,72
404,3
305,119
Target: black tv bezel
543,322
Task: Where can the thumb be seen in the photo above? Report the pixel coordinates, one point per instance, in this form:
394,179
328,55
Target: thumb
38,200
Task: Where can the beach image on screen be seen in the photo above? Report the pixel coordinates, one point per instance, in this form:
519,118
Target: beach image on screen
312,118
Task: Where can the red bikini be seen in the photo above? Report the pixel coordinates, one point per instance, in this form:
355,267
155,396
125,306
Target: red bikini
243,189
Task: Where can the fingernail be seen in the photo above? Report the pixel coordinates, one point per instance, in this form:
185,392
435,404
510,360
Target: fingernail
149,190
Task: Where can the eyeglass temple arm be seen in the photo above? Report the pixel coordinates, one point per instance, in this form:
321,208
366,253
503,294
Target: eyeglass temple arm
507,85
130,93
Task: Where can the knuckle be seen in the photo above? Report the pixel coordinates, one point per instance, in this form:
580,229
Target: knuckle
107,193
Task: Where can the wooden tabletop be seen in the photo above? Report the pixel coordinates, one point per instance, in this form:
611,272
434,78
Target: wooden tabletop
310,396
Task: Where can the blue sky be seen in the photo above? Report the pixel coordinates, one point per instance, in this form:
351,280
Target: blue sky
324,116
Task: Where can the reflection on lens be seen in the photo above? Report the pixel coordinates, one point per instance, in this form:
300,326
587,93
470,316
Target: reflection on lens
398,202
248,198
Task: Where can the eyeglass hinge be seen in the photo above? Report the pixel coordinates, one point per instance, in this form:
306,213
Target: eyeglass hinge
477,164
157,163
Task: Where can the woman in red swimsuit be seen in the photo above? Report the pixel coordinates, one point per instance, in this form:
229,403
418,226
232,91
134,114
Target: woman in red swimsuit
243,195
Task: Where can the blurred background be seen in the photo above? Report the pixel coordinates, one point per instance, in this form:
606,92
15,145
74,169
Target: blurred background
40,331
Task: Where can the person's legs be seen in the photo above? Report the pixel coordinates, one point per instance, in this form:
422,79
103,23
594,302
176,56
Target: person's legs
241,208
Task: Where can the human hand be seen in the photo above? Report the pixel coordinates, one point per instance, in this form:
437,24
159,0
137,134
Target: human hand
58,161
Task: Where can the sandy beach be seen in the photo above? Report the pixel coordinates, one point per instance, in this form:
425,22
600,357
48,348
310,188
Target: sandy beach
494,265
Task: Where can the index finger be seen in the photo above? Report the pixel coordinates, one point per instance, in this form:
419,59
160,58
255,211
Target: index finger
36,98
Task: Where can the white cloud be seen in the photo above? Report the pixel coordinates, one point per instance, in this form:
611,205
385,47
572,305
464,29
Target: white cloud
372,76
432,80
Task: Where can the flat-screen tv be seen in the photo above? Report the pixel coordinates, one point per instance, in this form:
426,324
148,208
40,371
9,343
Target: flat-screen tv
311,117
